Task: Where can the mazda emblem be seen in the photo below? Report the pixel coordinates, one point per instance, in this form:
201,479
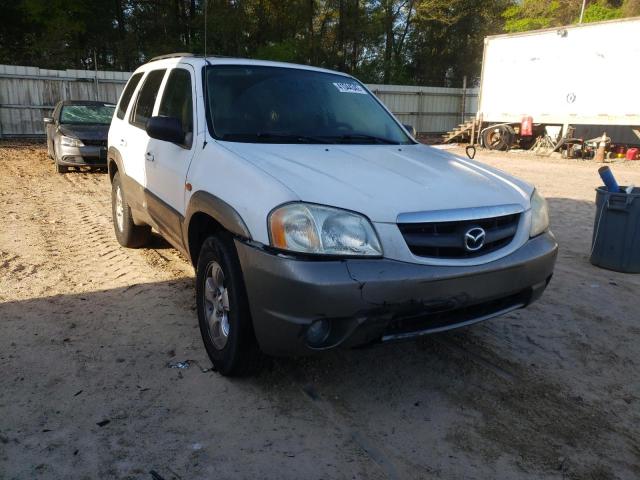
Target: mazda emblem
474,239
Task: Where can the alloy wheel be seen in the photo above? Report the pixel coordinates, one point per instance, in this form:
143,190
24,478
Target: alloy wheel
216,305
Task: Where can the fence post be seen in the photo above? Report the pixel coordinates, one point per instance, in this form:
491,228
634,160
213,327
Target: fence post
95,64
463,106
421,113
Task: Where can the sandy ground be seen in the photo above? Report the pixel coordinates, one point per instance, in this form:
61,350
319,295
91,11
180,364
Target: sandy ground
88,329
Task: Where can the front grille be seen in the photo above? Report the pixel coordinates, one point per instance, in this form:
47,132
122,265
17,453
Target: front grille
447,239
97,143
403,327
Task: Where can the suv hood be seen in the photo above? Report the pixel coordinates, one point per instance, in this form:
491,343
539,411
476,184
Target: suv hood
382,181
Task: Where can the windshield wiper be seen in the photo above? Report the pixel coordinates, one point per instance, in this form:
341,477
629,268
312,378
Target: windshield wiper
273,137
363,136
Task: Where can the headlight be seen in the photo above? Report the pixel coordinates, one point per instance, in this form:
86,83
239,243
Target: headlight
308,228
70,142
539,214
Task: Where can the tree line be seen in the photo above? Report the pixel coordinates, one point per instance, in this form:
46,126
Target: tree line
425,42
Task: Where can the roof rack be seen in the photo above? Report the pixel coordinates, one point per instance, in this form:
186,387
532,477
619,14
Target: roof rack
173,55
186,54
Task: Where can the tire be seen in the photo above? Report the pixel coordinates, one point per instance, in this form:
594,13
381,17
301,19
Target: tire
61,168
499,137
223,309
128,233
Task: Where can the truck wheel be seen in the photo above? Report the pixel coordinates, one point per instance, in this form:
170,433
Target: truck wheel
223,308
128,233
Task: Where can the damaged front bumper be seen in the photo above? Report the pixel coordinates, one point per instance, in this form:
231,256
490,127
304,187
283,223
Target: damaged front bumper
87,156
371,300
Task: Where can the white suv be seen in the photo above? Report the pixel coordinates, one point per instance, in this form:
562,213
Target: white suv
312,217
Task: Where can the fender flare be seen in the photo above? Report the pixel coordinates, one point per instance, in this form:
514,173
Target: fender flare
113,155
219,210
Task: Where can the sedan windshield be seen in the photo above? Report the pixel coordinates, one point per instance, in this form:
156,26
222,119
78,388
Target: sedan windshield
260,104
87,114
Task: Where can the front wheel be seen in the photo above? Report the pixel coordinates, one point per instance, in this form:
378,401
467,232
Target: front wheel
61,168
128,233
223,309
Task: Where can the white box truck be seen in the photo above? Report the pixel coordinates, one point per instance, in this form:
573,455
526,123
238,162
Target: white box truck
583,76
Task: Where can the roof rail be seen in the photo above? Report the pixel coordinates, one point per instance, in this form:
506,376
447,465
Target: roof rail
186,54
173,55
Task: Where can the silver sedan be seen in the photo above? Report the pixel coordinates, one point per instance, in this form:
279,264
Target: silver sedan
77,134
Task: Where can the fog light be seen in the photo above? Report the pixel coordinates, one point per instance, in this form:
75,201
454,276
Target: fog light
318,332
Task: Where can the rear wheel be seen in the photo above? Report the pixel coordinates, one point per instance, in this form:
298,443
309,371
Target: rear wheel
223,309
128,233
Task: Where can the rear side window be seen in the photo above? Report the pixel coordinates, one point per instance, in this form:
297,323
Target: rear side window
147,98
127,94
177,102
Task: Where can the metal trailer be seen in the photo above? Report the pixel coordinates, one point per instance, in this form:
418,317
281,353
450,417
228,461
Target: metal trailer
582,79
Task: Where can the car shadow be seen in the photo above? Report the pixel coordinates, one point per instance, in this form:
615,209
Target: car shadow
157,242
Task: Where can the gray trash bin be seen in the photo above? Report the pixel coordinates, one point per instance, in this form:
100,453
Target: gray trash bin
616,231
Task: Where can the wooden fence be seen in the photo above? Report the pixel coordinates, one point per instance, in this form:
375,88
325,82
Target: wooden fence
429,109
29,93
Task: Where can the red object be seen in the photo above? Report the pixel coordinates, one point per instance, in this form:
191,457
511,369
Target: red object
633,154
526,127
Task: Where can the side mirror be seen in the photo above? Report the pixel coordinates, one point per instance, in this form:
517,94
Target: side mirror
47,120
410,129
168,129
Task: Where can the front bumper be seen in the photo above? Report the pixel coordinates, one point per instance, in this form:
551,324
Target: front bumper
87,156
371,300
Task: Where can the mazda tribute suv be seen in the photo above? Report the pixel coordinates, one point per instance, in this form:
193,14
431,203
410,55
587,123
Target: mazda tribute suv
313,218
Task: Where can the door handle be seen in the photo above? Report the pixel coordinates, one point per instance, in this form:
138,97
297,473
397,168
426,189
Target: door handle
149,157
123,142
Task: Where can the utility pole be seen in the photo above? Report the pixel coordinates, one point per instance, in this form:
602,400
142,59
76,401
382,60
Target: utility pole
584,3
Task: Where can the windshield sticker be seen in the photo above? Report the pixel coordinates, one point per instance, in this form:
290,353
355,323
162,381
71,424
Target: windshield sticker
349,88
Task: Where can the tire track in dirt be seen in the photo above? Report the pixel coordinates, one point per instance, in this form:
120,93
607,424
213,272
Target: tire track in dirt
73,231
99,256
12,263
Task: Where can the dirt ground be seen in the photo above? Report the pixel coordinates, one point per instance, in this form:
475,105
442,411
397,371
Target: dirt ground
88,331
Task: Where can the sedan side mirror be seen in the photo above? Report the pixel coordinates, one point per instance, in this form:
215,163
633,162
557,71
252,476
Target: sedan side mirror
410,129
168,129
47,120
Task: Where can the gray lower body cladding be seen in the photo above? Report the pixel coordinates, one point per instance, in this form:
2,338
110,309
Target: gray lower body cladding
372,300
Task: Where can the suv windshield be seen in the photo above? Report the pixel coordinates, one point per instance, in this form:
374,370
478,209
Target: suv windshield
260,104
87,114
